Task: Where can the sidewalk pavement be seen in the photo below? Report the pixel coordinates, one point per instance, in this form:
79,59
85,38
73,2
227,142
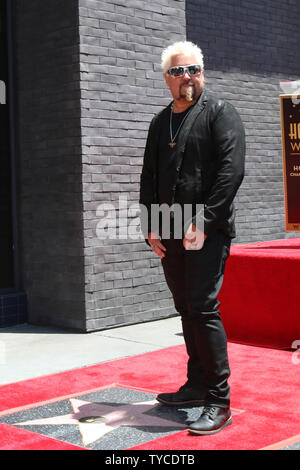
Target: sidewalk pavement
28,351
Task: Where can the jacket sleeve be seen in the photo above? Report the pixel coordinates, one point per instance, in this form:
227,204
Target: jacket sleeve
147,186
229,139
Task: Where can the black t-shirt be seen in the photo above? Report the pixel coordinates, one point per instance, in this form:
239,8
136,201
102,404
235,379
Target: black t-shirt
167,164
166,156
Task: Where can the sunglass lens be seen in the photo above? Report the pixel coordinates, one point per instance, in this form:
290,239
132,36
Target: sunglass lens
177,71
194,69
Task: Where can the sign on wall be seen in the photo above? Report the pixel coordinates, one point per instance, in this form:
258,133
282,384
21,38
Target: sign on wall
290,126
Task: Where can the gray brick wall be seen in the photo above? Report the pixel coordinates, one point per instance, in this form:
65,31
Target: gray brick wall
249,47
121,89
47,93
88,84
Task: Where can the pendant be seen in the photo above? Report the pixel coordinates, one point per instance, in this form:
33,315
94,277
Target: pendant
172,144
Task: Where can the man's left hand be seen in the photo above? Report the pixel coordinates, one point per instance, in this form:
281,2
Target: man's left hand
194,238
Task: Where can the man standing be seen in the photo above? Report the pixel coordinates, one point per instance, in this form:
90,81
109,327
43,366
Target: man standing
195,154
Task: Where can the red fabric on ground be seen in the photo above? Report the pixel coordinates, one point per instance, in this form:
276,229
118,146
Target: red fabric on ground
260,294
265,395
264,392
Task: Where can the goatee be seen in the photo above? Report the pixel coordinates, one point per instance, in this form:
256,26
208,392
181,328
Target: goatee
189,93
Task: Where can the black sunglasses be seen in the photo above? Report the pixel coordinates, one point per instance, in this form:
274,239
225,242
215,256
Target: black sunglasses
192,70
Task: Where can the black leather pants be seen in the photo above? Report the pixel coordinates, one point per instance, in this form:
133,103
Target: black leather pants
194,278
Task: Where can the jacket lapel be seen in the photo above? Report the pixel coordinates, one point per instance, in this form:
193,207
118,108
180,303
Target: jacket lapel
186,128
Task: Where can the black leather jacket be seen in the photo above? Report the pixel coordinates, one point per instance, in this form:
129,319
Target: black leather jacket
210,156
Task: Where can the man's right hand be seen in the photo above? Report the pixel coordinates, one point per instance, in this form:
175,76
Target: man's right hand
157,247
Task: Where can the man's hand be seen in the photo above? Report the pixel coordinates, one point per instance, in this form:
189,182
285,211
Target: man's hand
157,247
194,238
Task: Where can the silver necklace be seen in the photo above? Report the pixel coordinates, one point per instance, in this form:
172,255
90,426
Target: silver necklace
172,143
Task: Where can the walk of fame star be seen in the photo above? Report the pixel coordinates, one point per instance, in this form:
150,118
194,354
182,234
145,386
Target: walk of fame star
96,419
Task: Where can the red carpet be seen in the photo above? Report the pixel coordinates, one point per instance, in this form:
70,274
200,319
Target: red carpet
260,294
265,401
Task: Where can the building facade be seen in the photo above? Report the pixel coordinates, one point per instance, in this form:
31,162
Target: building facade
82,81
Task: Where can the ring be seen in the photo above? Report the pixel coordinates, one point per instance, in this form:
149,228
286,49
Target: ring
153,245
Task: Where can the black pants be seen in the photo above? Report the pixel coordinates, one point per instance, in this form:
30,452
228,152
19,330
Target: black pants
194,278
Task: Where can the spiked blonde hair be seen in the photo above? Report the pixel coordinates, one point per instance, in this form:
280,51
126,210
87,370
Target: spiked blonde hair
182,47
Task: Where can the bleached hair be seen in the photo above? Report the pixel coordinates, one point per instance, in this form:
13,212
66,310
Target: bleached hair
182,47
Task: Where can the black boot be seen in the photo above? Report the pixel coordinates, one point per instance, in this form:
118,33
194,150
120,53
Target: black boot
186,395
212,420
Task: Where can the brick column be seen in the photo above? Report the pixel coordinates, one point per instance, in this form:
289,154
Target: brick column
122,88
47,92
